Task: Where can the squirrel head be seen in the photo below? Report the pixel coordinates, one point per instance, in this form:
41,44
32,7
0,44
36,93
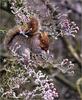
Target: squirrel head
44,41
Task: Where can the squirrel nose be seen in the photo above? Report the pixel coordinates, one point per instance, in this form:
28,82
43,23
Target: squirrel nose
47,51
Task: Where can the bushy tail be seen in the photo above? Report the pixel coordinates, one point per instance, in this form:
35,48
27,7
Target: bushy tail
9,35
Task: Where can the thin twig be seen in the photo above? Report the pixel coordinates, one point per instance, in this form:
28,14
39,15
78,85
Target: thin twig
61,78
72,51
78,83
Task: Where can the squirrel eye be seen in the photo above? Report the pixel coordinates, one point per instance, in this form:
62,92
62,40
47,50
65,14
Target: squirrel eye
43,41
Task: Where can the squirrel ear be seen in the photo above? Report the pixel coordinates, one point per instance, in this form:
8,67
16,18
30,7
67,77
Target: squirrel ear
41,35
45,34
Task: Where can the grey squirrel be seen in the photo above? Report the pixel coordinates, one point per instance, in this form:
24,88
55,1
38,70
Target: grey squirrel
22,46
31,27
